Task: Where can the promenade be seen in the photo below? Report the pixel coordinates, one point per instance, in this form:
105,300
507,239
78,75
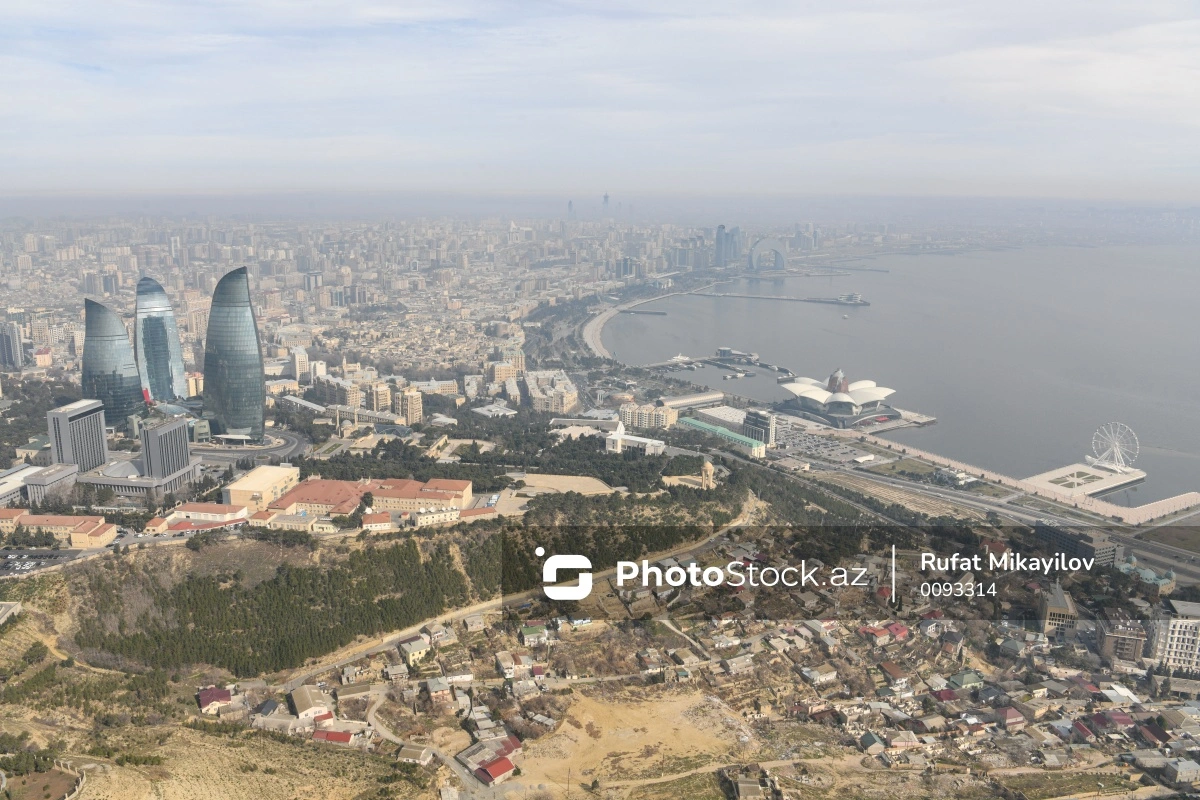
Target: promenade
1135,515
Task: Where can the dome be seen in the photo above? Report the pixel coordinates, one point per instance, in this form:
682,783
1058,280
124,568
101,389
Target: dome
1131,561
1170,575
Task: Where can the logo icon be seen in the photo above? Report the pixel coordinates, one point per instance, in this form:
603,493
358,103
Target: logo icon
550,576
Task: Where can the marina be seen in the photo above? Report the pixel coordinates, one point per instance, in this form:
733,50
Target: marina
1010,393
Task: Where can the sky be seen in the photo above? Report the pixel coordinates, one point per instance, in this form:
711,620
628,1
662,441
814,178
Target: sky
1091,100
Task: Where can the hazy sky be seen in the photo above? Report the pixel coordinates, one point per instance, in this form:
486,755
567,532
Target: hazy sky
1046,98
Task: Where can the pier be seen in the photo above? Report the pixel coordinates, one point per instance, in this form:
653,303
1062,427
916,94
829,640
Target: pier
835,301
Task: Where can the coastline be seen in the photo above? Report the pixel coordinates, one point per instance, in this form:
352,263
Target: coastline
593,329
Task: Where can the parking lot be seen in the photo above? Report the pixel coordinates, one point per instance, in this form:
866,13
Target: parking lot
820,447
18,562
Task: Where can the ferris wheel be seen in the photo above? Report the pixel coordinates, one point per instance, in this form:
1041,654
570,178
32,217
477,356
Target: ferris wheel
1116,447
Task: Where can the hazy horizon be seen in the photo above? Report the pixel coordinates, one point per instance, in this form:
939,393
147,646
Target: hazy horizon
1091,101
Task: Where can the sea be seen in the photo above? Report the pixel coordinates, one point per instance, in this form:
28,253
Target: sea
1021,354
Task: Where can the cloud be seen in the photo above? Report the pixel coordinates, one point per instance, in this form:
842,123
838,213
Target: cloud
1030,98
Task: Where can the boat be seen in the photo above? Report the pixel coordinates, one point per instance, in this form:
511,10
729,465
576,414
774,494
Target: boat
849,299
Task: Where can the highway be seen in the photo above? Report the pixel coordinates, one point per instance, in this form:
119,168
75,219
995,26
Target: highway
1186,563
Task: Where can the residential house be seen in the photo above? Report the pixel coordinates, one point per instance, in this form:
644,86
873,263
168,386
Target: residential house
211,699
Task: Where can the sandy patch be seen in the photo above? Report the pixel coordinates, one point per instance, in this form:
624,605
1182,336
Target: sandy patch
620,740
568,483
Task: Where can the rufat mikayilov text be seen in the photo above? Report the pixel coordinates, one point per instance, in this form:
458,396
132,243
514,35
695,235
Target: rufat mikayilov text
1009,562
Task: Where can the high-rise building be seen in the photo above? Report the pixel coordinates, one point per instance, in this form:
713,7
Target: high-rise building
77,434
234,382
12,350
759,426
1080,543
379,396
300,364
411,406
1175,635
165,447
1119,636
338,391
110,373
156,344
1056,611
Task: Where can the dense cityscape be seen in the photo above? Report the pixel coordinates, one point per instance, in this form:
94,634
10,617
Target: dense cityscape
277,496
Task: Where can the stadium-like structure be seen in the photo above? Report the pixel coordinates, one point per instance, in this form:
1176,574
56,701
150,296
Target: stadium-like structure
840,403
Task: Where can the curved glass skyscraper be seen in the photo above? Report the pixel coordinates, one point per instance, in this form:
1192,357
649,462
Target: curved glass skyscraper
110,374
156,344
234,382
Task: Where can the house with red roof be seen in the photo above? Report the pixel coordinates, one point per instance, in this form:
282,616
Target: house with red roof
333,737
496,771
1082,733
211,699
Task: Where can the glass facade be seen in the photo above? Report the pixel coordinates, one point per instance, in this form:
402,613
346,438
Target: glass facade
234,383
110,374
156,344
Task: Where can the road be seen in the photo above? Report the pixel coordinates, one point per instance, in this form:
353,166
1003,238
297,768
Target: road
1162,556
289,445
458,615
473,786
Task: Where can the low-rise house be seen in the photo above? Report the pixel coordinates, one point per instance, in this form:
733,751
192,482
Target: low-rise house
967,679
533,635
211,699
1153,734
895,677
933,723
684,657
1010,719
379,522
439,690
439,634
506,664
345,738
473,623
354,690
738,664
871,744
495,771
820,675
1082,733
1183,773
902,739
415,754
414,649
309,702
650,661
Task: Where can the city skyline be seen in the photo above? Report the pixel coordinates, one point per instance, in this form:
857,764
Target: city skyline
503,99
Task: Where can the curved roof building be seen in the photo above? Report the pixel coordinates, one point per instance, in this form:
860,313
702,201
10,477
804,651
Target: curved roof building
234,382
839,401
156,344
110,373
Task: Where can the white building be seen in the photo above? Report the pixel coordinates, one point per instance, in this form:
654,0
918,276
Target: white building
618,441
